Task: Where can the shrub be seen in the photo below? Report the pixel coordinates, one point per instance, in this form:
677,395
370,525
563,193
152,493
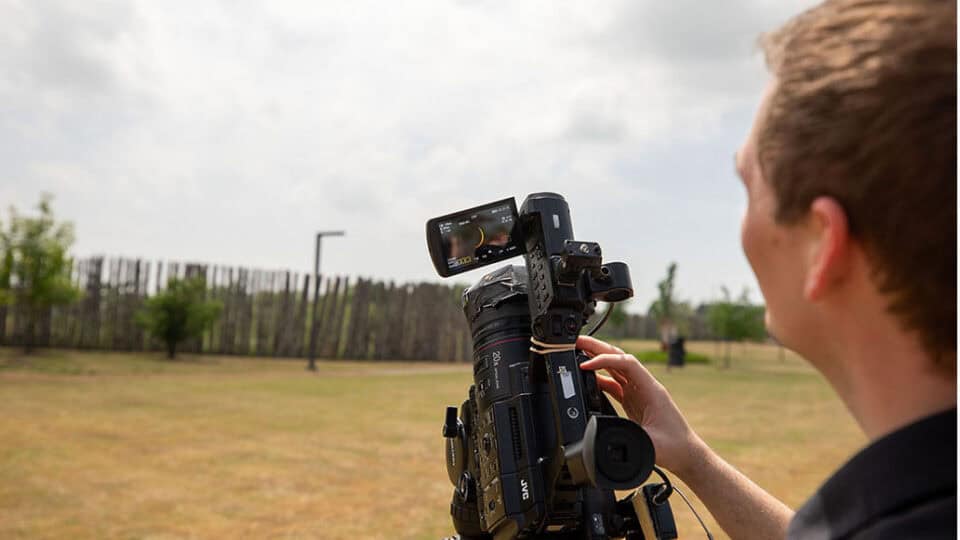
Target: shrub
178,313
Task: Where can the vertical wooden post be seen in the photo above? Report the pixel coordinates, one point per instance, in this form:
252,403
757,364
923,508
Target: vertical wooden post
261,313
324,334
94,288
338,322
300,326
247,335
314,324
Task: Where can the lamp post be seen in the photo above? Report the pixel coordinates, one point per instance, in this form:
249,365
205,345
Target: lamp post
312,365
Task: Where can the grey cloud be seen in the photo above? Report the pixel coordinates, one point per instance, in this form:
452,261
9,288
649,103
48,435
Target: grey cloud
63,87
706,46
596,127
692,31
63,50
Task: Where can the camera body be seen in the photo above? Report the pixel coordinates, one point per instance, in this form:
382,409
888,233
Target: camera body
537,450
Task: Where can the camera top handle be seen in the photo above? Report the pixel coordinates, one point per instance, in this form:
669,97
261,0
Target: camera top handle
566,276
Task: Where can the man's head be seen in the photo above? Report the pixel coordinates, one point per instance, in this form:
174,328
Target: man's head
851,173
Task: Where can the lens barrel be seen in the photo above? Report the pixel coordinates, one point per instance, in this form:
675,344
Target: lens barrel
496,307
499,317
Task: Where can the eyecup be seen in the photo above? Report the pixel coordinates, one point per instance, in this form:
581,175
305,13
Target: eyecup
614,453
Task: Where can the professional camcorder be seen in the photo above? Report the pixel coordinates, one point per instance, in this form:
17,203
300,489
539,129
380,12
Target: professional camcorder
537,450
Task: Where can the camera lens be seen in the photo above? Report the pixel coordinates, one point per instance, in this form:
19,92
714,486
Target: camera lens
621,455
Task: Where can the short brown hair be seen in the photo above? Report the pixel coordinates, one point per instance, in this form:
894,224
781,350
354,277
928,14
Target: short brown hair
864,110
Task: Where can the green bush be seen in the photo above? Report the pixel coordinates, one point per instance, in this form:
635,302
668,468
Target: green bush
179,312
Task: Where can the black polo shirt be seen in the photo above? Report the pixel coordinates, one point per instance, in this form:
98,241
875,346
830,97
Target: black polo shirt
903,485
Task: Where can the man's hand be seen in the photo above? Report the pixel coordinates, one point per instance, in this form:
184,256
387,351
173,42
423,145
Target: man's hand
742,508
646,402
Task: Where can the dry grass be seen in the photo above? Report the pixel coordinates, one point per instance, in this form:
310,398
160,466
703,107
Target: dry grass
99,445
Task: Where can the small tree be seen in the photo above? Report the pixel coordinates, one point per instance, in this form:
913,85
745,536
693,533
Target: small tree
735,320
178,313
665,310
34,266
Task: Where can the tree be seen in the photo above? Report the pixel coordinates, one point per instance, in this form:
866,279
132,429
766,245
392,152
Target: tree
670,315
178,313
735,320
34,266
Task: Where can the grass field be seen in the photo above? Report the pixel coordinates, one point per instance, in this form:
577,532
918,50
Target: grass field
110,445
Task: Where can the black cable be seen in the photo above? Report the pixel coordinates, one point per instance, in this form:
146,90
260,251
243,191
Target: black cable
603,319
667,489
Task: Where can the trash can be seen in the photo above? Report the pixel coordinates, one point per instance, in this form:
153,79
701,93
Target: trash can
676,353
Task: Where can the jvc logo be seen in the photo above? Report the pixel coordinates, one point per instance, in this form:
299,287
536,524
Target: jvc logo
524,489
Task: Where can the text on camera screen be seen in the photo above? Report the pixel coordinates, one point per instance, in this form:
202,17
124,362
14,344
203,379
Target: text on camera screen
483,236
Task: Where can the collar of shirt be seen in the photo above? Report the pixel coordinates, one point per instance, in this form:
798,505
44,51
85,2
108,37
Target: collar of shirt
910,466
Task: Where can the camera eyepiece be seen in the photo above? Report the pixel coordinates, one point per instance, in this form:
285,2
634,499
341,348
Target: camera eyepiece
620,454
614,453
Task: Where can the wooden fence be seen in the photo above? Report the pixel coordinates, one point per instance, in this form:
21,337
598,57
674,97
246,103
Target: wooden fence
272,313
265,313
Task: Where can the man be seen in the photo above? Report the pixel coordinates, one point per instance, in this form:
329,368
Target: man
850,228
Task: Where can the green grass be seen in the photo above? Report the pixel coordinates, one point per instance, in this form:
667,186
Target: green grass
104,445
660,357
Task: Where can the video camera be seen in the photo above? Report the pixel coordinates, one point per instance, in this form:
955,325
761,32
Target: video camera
537,450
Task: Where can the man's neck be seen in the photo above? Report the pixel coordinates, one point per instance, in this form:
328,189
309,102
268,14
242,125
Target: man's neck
888,381
884,409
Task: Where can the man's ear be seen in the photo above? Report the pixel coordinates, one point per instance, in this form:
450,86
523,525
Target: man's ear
829,247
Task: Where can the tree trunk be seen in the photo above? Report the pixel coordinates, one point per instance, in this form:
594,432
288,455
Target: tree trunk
171,349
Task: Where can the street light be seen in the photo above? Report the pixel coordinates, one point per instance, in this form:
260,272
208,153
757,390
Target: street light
312,366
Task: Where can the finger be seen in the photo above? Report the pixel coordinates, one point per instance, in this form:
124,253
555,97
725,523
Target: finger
611,387
593,346
611,361
626,364
619,377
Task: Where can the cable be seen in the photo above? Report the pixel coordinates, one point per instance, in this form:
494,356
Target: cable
695,514
668,488
606,315
540,347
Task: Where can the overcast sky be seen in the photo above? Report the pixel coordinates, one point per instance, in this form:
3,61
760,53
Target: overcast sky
228,132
